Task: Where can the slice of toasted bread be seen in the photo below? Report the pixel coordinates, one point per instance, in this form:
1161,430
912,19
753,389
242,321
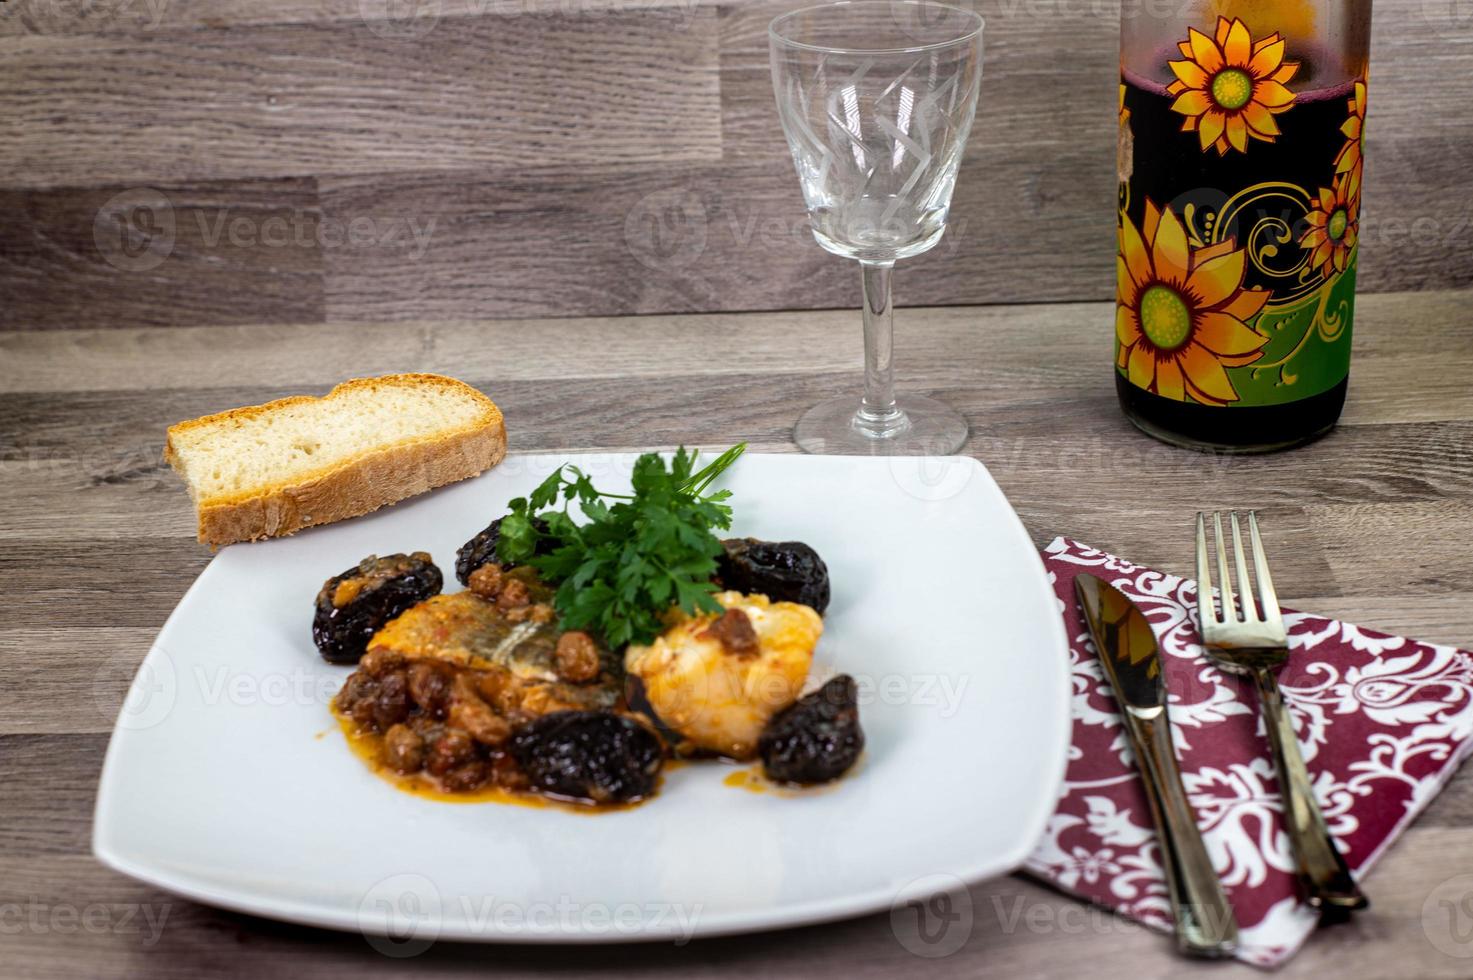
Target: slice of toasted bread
272,469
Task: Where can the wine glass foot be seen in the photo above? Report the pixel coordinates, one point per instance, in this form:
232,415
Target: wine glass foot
926,428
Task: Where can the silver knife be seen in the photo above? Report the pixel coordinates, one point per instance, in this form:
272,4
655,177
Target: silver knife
1205,925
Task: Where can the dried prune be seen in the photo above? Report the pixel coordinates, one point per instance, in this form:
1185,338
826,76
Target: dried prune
784,571
482,549
589,755
817,738
358,603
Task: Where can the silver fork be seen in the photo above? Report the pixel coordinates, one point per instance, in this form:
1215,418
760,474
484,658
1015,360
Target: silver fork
1245,642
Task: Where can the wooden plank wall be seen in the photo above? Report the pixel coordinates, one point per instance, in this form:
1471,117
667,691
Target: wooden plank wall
301,161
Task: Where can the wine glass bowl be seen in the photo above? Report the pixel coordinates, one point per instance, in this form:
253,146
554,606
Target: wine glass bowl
876,98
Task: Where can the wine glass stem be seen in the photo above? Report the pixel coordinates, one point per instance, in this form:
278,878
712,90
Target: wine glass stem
877,415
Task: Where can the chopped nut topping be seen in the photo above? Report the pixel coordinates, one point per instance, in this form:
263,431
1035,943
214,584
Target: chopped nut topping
735,632
514,593
486,580
577,657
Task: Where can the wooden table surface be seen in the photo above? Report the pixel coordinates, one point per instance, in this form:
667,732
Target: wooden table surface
1373,524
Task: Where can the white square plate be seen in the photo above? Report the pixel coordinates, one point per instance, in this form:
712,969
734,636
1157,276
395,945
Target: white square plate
228,782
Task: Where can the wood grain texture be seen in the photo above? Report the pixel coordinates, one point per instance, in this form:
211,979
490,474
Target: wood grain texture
388,18
235,252
661,239
730,236
520,350
539,158
1372,524
81,673
1055,347
68,17
339,97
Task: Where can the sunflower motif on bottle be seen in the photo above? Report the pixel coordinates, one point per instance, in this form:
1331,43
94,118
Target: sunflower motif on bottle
1355,131
1181,313
1333,225
1230,86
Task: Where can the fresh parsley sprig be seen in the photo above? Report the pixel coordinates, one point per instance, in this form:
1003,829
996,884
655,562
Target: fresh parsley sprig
635,555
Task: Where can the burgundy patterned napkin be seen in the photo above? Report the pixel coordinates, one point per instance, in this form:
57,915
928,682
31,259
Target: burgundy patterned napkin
1383,722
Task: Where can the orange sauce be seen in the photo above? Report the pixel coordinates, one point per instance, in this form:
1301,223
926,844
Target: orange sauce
754,780
749,779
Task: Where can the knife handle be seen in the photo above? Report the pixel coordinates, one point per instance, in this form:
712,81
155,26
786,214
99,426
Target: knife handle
1205,925
1322,872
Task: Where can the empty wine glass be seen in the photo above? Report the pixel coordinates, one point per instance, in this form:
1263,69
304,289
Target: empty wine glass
876,98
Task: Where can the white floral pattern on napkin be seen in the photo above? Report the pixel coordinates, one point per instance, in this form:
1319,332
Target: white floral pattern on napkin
1383,722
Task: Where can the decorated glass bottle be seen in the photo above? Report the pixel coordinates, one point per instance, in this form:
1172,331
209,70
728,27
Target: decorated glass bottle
1240,173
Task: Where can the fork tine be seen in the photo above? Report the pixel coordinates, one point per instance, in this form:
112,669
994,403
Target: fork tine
1229,608
1205,613
1267,597
1245,587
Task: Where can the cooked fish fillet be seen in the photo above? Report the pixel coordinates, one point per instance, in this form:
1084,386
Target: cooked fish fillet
717,699
466,630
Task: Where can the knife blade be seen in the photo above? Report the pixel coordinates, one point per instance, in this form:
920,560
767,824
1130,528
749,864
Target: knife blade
1205,925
